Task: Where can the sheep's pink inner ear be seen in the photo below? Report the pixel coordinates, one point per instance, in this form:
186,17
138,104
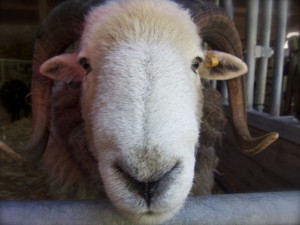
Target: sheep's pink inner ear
63,67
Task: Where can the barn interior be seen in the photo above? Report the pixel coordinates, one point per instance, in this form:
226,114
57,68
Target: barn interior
275,169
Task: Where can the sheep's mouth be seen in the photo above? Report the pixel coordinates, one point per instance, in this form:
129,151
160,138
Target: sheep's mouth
149,213
154,199
148,191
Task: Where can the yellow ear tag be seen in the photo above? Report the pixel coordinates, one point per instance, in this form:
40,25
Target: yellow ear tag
211,61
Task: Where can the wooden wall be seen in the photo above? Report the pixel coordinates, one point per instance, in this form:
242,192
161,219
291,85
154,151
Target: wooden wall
275,169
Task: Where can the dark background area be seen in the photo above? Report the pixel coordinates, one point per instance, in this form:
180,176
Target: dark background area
20,18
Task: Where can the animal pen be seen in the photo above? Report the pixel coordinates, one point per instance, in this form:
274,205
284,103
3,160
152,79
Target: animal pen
260,189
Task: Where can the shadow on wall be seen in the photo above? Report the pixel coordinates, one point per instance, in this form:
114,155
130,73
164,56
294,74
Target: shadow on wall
14,98
17,41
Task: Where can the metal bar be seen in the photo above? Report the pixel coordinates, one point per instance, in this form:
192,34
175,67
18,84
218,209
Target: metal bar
224,93
256,208
213,84
263,64
217,2
279,56
228,5
287,126
251,34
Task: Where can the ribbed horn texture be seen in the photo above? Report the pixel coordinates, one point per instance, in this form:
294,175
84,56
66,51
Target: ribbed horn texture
62,27
218,30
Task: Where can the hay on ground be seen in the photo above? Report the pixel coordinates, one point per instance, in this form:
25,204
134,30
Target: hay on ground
20,180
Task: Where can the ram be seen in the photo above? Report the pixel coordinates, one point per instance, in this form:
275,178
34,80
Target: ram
124,112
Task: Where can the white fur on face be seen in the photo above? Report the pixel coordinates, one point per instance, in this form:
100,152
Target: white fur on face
142,103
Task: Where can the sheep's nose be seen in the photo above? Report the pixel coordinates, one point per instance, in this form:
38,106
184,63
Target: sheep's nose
147,190
151,187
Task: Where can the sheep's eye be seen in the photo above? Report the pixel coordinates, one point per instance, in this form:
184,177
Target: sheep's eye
196,63
84,62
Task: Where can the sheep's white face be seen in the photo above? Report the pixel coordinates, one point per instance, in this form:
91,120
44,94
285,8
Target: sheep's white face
141,105
144,128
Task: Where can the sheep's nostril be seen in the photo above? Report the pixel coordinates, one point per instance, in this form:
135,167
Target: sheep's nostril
147,190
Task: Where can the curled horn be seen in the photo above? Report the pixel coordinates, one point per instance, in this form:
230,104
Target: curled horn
62,27
218,30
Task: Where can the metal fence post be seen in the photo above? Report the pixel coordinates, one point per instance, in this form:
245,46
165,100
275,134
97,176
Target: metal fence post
246,209
263,63
251,34
228,5
282,6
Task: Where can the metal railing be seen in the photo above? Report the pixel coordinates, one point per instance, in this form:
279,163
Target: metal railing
262,79
260,54
244,209
264,52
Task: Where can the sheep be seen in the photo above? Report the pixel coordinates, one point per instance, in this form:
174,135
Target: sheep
130,105
13,95
125,108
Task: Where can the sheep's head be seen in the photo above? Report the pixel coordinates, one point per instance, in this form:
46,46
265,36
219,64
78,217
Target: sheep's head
140,63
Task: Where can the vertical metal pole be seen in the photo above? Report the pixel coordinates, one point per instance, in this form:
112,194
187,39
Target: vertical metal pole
279,56
263,64
251,34
228,5
217,2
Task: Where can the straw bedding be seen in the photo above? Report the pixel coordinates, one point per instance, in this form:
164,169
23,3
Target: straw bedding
20,180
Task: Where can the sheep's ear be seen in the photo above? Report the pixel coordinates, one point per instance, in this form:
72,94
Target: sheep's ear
221,66
63,67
